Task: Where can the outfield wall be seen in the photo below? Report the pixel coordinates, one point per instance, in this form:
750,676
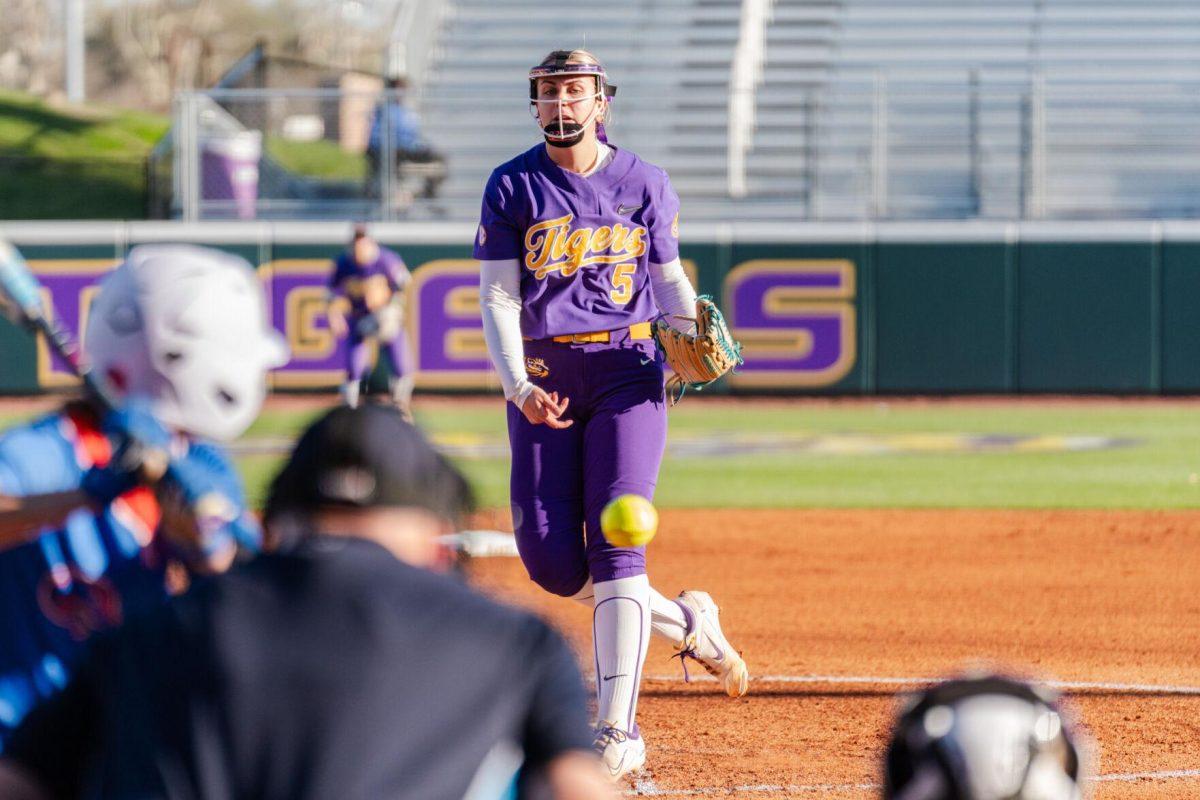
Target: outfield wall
848,309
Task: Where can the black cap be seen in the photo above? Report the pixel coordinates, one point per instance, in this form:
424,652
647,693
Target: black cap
365,457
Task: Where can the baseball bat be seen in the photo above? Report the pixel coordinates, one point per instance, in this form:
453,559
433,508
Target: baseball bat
22,290
20,287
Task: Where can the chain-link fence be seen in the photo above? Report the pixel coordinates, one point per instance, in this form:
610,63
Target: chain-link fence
243,154
866,146
35,187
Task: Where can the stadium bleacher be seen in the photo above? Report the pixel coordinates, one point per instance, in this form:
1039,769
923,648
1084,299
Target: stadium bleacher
865,108
669,59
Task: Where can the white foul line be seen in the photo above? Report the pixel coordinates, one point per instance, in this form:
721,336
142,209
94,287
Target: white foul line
1068,686
1164,775
647,788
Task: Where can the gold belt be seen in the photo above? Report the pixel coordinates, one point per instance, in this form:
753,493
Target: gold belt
638,330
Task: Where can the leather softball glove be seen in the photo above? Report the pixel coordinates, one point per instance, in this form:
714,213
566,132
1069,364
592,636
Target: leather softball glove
697,359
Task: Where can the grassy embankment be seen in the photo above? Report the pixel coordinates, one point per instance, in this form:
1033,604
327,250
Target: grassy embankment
65,162
89,161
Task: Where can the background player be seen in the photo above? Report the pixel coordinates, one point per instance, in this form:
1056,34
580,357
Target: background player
366,292
578,244
180,332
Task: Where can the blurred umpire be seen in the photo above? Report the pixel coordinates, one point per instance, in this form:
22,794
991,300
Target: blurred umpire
343,664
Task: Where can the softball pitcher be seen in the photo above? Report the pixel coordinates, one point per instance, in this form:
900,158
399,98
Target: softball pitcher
579,254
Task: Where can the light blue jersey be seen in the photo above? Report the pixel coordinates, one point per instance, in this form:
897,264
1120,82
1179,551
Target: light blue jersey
58,590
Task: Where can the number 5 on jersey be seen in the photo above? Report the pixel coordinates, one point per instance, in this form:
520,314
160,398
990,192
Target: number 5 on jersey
622,280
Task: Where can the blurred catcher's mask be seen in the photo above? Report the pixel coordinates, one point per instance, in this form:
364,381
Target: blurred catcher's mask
982,738
560,132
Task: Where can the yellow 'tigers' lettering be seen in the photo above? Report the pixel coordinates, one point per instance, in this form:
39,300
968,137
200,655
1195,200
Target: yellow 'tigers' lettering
553,247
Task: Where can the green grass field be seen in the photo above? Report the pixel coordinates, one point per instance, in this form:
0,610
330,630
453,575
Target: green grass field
1159,468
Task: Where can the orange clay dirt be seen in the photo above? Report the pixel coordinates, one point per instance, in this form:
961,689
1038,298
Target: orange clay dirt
1078,596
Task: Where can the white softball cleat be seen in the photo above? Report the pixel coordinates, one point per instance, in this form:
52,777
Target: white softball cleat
621,752
706,644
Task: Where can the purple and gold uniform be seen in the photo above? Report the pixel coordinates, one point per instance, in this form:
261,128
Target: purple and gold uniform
356,282
579,256
58,590
583,245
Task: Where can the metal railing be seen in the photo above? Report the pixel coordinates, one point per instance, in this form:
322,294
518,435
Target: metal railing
300,153
858,146
411,45
97,187
874,146
745,74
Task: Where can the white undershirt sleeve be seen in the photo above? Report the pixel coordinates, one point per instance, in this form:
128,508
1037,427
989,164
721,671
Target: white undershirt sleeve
673,294
500,305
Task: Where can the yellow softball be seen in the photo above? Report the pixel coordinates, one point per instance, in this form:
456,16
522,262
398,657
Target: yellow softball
629,521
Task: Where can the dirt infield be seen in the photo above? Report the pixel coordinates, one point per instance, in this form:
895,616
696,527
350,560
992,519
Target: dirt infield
869,597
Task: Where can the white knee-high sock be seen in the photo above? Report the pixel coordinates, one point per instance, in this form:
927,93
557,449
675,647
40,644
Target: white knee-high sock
402,390
667,620
621,632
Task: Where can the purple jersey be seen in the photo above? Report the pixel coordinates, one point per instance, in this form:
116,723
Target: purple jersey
349,278
583,243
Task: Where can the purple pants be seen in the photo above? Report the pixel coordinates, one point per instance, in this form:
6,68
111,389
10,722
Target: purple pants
359,350
562,479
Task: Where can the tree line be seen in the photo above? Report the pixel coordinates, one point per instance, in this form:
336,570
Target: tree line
139,52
